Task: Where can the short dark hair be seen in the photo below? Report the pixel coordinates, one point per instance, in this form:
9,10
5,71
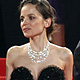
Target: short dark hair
46,10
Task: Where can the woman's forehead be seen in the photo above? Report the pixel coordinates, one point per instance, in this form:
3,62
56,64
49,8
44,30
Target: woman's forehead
30,9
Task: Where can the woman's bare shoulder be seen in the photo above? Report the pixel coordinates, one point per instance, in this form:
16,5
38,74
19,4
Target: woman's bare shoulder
64,52
15,50
67,53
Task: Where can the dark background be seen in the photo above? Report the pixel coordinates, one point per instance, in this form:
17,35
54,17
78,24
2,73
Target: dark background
11,34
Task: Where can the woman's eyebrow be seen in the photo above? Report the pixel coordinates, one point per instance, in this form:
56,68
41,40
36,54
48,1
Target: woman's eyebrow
30,14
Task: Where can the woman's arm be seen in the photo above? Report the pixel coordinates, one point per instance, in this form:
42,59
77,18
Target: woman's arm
9,70
9,63
68,70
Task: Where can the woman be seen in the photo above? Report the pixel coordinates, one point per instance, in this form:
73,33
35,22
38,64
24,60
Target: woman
36,23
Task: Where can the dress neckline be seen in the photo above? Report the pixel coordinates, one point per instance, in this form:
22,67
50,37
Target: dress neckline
50,72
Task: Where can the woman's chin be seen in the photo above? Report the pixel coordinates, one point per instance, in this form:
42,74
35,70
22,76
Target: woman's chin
27,36
30,36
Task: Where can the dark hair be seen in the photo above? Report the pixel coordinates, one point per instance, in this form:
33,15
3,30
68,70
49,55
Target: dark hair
46,10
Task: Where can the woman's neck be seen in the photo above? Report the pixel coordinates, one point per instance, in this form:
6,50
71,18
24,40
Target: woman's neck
39,42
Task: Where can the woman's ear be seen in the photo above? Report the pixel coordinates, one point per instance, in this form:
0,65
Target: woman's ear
47,22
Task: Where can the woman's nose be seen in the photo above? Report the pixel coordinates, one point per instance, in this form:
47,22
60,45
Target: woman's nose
26,21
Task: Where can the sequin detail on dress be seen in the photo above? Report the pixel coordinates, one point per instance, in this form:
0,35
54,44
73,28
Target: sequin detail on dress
21,73
49,73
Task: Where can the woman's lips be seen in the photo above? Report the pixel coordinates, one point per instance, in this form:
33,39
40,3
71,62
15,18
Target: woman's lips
26,29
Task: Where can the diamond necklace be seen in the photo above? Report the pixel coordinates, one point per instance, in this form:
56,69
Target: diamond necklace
38,57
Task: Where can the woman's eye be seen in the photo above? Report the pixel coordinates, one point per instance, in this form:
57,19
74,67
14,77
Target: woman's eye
31,17
21,19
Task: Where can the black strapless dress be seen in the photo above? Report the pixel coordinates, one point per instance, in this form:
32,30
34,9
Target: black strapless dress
49,73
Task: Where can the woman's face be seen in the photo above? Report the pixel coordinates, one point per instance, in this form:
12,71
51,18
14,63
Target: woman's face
32,22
